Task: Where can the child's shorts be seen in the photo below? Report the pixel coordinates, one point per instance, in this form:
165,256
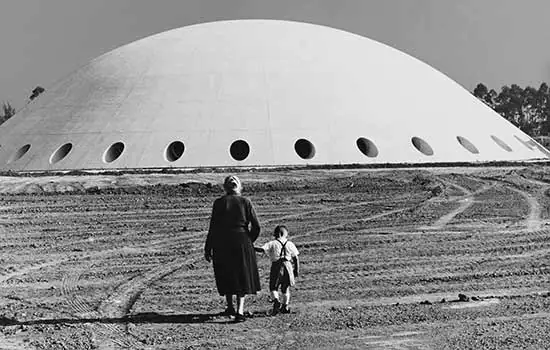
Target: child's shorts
279,276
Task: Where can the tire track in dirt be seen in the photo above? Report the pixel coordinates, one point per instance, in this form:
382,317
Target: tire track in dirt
104,253
119,303
398,341
84,310
465,201
365,219
12,344
34,267
329,209
542,188
317,211
69,285
533,220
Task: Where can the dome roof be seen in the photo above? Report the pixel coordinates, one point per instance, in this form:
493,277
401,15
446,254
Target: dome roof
256,93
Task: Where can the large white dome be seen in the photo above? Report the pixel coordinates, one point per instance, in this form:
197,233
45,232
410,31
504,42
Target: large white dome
255,93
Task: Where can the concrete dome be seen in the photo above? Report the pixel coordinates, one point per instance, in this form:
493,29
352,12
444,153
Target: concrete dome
254,93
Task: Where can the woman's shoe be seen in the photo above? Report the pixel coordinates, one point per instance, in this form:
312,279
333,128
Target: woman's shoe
239,318
228,312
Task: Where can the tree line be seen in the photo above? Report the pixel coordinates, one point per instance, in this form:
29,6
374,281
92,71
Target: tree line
528,108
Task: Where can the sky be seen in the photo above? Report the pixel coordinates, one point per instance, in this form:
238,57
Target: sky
496,42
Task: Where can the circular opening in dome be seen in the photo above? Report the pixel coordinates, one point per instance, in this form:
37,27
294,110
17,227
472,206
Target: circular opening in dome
61,153
422,146
113,152
501,143
367,147
464,142
174,151
304,149
239,150
525,143
20,153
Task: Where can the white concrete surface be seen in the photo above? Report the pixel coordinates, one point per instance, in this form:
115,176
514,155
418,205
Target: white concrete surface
266,82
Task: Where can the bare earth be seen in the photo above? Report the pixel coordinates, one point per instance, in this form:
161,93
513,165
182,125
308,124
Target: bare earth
115,262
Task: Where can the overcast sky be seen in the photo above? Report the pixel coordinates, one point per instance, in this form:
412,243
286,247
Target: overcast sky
497,42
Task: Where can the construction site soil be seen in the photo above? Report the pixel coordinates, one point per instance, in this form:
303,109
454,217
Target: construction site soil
431,258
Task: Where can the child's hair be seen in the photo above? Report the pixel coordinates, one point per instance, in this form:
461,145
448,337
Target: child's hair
279,230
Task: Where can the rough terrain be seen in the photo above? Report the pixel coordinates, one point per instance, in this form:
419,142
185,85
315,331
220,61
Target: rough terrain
435,258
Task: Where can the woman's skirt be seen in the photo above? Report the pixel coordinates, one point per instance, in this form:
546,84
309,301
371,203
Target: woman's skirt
235,266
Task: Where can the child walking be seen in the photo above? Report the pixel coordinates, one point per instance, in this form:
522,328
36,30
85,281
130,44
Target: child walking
284,268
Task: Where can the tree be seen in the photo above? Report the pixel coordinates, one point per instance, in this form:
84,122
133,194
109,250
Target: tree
490,98
36,92
8,112
480,91
509,104
544,100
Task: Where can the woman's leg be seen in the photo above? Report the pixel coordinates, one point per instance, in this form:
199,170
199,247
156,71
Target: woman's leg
240,304
229,301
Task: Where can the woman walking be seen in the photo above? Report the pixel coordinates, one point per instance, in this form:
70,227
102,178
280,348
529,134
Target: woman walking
233,228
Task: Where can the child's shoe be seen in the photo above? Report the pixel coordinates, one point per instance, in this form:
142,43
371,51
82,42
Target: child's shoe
285,309
276,307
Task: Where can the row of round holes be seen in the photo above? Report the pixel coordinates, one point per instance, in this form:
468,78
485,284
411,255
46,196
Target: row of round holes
240,149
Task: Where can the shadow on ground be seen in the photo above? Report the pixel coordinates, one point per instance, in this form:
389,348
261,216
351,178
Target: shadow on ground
148,317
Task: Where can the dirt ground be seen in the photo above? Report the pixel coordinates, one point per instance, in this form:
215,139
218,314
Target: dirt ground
435,258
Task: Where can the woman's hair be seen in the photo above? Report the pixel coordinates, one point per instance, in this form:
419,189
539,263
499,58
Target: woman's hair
279,231
232,185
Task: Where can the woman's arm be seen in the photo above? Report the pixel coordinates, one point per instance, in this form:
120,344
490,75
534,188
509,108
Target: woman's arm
255,225
208,245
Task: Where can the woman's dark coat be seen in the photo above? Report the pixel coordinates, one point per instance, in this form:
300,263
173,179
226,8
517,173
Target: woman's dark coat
233,228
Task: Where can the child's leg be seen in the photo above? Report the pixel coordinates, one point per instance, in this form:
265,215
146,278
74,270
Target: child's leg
276,302
273,281
285,295
285,299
